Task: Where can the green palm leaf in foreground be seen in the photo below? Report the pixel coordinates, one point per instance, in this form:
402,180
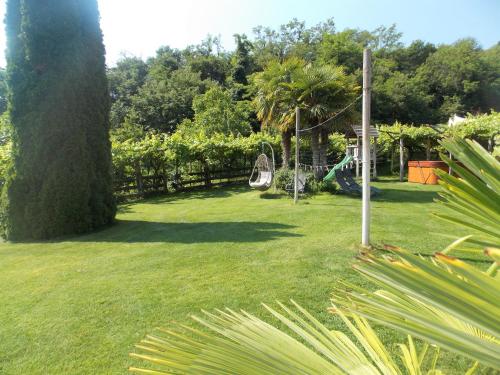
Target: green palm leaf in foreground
473,198
240,343
444,301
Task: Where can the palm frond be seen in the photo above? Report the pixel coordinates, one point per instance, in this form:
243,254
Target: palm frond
240,343
473,198
444,301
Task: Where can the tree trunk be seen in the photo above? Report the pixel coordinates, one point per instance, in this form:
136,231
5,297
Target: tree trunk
323,150
286,147
165,179
393,152
401,159
138,178
206,173
315,148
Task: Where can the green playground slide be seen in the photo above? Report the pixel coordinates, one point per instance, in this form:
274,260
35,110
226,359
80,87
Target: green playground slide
331,175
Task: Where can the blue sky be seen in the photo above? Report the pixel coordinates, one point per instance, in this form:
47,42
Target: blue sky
139,27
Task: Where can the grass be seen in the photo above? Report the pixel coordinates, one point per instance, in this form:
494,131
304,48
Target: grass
78,305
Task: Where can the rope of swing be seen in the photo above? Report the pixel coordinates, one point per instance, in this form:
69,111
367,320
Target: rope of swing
334,116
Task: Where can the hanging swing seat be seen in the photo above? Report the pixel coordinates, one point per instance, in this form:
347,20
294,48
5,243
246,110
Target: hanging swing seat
262,173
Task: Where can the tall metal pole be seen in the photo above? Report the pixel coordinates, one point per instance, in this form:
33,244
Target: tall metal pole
367,72
357,156
297,140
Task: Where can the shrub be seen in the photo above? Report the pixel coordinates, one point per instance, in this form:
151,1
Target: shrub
283,177
314,186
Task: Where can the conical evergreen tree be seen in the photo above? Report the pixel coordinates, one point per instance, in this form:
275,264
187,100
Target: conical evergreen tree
60,179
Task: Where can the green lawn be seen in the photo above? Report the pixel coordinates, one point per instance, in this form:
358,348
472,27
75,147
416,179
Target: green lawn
78,305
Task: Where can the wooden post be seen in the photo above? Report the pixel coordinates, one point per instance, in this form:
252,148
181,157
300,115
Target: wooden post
401,158
297,140
365,226
375,158
392,157
357,156
428,149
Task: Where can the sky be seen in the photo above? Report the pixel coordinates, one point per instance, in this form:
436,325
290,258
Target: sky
140,27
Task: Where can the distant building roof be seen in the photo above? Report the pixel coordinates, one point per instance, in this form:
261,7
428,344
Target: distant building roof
358,130
455,119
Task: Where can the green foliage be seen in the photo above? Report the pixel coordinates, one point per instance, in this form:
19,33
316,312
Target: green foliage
416,140
156,154
164,102
337,145
481,128
344,48
398,96
444,301
3,91
241,343
125,80
283,177
418,84
60,180
456,76
292,39
216,112
472,198
315,186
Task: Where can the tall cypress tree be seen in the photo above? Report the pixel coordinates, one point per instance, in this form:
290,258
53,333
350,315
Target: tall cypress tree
60,179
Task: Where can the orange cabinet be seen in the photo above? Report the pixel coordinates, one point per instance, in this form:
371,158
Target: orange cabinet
423,171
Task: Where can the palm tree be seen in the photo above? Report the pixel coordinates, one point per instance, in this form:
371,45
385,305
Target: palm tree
319,91
323,91
274,105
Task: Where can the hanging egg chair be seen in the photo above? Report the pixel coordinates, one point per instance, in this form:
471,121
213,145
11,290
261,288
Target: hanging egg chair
263,172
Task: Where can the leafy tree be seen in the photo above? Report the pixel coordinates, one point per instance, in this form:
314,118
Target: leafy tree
242,61
293,39
399,97
164,102
3,91
60,181
344,48
454,75
209,60
242,65
217,113
210,67
409,58
385,39
125,80
165,62
490,87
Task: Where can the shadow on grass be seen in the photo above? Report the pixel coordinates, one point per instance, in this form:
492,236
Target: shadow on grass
405,196
268,195
134,231
199,193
